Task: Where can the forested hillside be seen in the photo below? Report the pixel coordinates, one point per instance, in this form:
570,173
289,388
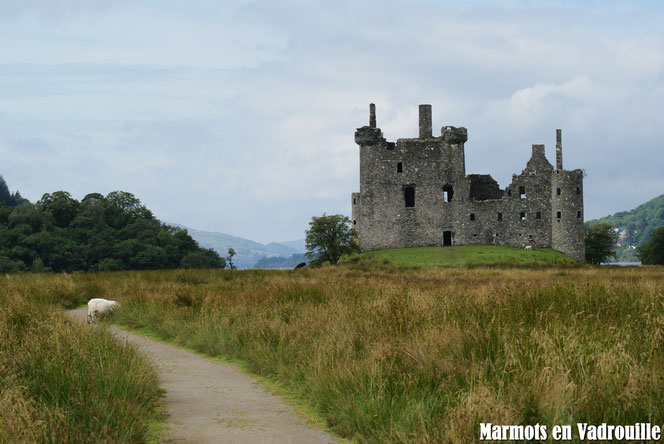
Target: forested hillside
281,262
635,226
112,232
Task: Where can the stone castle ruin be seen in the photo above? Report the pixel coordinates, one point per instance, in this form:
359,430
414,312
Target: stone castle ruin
416,192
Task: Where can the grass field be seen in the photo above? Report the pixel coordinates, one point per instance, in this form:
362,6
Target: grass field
61,381
392,354
471,255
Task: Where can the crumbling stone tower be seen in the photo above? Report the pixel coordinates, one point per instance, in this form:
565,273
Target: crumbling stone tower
415,192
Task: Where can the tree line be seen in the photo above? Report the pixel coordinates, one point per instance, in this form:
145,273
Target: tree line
100,233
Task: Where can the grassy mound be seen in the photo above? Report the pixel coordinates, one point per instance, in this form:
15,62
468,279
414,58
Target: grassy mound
470,255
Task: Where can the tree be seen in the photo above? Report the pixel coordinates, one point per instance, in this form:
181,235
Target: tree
61,206
229,258
204,258
600,243
330,237
652,252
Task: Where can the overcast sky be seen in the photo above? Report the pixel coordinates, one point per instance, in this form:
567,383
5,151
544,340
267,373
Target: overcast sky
238,116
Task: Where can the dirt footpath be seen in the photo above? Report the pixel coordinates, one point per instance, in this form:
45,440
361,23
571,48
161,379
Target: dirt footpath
209,402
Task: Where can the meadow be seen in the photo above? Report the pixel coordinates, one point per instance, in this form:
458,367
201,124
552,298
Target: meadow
61,381
469,256
394,354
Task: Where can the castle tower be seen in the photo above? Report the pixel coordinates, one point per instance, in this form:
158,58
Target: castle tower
567,231
415,192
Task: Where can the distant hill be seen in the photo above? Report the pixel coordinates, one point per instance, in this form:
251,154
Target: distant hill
634,227
248,252
281,262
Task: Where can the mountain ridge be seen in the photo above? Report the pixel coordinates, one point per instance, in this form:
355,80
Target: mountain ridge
248,251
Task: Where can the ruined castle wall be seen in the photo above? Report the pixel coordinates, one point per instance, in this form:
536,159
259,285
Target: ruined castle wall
403,185
567,233
424,165
356,206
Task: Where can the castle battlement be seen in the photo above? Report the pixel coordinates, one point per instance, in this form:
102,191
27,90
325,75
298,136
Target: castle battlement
416,192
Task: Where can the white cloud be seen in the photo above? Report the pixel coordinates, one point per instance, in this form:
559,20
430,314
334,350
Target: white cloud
239,116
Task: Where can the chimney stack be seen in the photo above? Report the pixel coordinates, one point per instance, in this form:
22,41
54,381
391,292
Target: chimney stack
425,122
559,150
372,115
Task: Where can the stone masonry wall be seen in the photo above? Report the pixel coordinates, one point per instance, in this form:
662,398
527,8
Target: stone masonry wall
420,171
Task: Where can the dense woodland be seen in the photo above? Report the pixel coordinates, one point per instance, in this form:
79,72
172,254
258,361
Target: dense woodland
635,227
112,232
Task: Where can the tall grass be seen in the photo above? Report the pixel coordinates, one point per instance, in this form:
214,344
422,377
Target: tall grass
61,381
393,354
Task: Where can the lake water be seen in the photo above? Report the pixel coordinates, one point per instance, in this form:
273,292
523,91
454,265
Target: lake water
624,264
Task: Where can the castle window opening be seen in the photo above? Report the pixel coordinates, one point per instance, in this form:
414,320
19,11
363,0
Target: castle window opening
472,216
500,216
538,215
448,192
447,238
558,216
522,215
409,195
474,234
530,236
558,191
399,167
578,214
497,234
522,192
354,222
578,190
354,201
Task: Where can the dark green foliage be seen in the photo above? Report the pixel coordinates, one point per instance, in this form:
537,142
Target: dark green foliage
7,198
600,243
203,258
652,252
115,232
636,226
328,238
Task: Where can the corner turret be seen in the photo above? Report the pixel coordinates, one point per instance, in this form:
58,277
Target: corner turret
369,135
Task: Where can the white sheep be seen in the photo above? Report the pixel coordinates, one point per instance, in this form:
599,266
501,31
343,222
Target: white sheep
529,247
99,306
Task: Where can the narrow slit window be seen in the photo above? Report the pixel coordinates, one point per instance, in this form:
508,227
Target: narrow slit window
409,195
558,215
448,192
472,216
538,215
522,215
354,222
522,192
578,190
558,191
578,215
399,167
354,201
500,216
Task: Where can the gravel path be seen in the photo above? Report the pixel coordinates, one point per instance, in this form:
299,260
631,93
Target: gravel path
209,402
